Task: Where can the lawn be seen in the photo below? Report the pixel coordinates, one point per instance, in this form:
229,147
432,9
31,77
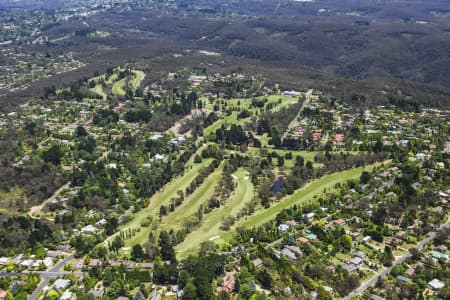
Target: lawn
210,227
302,196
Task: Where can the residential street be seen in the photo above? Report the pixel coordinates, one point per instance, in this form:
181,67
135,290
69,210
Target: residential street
398,261
295,120
55,271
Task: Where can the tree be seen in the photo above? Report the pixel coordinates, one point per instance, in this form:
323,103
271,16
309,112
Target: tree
387,257
102,252
162,210
53,155
167,251
347,242
137,252
189,292
197,159
365,177
80,131
111,225
265,279
183,278
206,247
91,296
139,296
299,161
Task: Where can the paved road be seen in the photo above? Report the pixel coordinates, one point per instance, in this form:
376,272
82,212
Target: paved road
294,121
55,271
431,236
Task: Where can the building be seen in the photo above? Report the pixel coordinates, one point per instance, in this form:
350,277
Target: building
228,283
291,93
439,255
257,262
403,278
89,229
288,254
436,284
67,295
283,227
303,240
61,284
3,295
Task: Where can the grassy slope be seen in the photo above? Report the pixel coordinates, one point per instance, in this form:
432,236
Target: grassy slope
302,196
134,82
118,88
160,198
98,89
211,222
191,204
246,103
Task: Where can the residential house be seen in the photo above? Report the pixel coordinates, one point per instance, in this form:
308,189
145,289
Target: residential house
257,262
89,229
436,284
303,240
403,278
294,249
410,272
67,295
283,227
439,255
228,283
288,254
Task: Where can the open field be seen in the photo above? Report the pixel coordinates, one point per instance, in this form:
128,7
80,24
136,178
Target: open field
210,227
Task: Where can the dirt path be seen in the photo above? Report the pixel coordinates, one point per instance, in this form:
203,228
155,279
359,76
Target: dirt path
36,209
175,129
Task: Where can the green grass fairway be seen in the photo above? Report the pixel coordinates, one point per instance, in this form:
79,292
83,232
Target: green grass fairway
160,198
191,204
302,196
211,222
135,83
245,104
98,89
227,120
118,88
183,212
